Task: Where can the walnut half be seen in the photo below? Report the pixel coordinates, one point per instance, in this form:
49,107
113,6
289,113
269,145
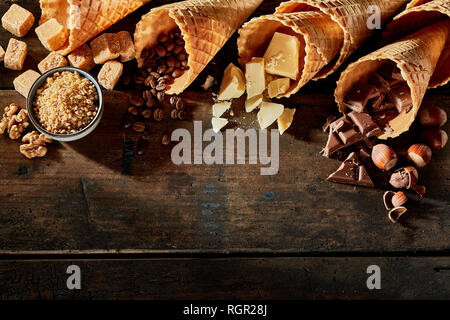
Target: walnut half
35,145
14,121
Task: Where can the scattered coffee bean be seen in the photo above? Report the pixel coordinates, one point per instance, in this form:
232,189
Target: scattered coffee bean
174,114
160,51
170,46
165,139
150,103
173,100
147,114
158,115
162,69
161,87
139,126
147,95
160,96
180,105
133,110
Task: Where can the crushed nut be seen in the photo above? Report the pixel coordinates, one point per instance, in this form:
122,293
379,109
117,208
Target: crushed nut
14,122
34,145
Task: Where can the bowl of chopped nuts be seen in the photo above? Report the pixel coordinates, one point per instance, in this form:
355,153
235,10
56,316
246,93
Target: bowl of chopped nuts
65,104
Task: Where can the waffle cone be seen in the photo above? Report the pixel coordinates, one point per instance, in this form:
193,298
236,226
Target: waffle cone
320,39
86,18
206,26
331,30
416,56
422,13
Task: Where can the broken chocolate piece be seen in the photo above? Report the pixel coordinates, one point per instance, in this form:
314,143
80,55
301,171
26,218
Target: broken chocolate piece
365,123
359,95
391,74
401,97
328,122
352,172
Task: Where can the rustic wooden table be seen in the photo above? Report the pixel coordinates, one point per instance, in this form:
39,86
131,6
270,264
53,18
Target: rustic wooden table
196,231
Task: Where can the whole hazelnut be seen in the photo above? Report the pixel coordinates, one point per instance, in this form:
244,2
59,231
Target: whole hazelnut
432,117
399,199
436,138
419,154
384,157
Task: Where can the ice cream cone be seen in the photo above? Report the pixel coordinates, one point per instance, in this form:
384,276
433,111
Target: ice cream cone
416,56
86,18
330,31
206,25
422,13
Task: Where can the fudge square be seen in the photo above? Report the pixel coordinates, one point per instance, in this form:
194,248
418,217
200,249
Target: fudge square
110,74
2,53
105,48
52,34
127,50
53,60
23,83
18,20
82,58
15,55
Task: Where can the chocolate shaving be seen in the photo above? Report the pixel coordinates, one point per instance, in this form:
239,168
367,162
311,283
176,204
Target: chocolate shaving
395,213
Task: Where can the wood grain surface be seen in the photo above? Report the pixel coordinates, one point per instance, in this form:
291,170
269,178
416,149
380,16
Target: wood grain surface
77,201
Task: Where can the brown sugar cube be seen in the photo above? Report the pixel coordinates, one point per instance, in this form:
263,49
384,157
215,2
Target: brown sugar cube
110,74
52,34
23,83
15,55
53,60
127,50
17,20
105,48
2,53
82,58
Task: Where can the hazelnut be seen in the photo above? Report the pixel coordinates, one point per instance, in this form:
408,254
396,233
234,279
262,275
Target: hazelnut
413,175
406,177
399,199
420,190
384,157
419,154
436,138
432,117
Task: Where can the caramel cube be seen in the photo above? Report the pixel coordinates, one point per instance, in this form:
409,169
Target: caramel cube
127,50
53,60
2,53
15,55
105,48
52,34
82,58
17,20
110,74
23,83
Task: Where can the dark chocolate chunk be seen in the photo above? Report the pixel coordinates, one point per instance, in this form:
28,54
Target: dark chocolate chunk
351,172
401,96
365,123
359,95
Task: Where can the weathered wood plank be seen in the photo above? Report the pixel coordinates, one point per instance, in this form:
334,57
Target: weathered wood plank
77,199
238,278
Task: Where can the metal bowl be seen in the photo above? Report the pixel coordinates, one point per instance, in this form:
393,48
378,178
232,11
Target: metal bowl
64,137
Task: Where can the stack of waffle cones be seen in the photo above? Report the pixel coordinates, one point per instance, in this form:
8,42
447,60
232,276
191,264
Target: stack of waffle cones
329,30
206,25
86,18
423,58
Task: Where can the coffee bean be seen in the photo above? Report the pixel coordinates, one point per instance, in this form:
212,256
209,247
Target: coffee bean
147,114
171,61
155,75
150,82
160,51
184,63
177,50
139,126
147,95
181,56
161,87
163,38
160,96
154,92
142,146
158,115
136,101
173,100
170,46
150,103
133,110
181,115
165,139
180,105
174,114
162,69
177,73
177,64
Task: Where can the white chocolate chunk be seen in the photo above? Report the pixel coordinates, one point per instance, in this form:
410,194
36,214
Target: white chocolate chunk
285,120
253,103
220,108
233,83
282,56
269,113
218,124
278,87
255,77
